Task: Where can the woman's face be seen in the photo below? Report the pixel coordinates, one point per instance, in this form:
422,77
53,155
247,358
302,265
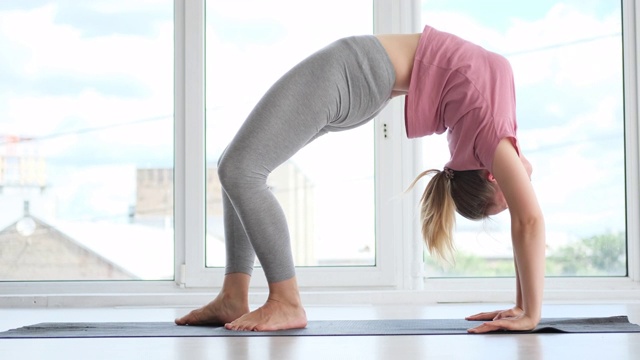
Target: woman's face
499,203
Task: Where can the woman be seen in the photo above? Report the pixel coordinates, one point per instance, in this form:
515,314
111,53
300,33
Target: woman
451,85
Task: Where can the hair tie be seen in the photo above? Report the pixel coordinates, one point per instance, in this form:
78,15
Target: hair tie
448,173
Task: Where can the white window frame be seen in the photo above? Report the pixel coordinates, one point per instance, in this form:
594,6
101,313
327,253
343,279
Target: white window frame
390,16
398,275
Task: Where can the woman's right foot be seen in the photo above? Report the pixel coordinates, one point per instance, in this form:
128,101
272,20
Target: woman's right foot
273,315
282,311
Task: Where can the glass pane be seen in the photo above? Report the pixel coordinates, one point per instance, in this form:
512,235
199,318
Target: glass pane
250,44
567,62
86,140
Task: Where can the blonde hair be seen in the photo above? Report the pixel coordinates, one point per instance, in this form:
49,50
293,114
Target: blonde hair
467,192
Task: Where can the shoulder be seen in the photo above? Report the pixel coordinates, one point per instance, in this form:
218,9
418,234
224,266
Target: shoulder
512,176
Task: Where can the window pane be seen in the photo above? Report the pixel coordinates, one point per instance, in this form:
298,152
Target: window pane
86,140
250,44
567,62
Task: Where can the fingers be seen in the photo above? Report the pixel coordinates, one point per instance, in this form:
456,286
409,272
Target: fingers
484,328
518,324
505,315
483,316
508,314
495,315
493,326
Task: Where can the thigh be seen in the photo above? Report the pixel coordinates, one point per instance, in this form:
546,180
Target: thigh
292,112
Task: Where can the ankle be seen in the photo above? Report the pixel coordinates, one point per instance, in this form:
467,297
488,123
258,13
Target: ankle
232,297
235,288
285,292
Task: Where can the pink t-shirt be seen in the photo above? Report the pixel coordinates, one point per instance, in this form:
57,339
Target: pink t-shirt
459,87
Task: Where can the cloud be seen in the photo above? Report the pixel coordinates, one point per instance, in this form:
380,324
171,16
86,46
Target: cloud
58,80
102,17
585,53
93,21
22,5
50,57
56,84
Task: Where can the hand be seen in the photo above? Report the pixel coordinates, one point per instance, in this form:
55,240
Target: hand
496,315
514,319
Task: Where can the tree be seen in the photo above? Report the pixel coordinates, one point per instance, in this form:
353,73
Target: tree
598,255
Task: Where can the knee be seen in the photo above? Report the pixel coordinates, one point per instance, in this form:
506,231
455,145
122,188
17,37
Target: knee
236,173
227,173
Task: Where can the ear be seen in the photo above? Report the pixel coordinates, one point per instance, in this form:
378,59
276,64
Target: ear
490,177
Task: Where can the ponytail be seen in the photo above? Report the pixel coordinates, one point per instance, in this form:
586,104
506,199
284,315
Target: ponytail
437,214
467,192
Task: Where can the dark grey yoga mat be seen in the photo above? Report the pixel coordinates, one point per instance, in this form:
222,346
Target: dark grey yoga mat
616,324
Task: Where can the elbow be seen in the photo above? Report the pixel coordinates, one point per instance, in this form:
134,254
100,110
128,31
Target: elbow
529,223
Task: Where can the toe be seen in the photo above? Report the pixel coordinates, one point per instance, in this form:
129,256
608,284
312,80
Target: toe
183,320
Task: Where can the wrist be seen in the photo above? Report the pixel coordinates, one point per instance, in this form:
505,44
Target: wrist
533,314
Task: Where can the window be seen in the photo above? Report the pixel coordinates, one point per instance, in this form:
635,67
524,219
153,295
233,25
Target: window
368,257
81,151
569,84
86,141
249,46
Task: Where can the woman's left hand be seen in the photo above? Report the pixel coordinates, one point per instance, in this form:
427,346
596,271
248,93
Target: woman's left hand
496,315
514,320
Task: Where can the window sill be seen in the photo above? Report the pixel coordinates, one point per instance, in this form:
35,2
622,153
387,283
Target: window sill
98,294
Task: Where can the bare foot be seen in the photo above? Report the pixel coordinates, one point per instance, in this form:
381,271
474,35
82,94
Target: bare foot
217,312
283,310
230,304
273,315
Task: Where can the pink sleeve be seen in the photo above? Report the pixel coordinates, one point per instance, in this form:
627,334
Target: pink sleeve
489,137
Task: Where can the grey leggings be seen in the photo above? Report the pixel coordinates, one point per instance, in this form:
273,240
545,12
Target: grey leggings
339,87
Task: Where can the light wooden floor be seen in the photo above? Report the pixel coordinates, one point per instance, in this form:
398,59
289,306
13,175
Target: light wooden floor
547,346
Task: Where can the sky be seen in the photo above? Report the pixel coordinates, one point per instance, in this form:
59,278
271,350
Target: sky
93,80
89,80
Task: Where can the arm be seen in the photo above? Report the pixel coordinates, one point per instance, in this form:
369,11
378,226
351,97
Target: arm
502,314
519,306
528,237
518,288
